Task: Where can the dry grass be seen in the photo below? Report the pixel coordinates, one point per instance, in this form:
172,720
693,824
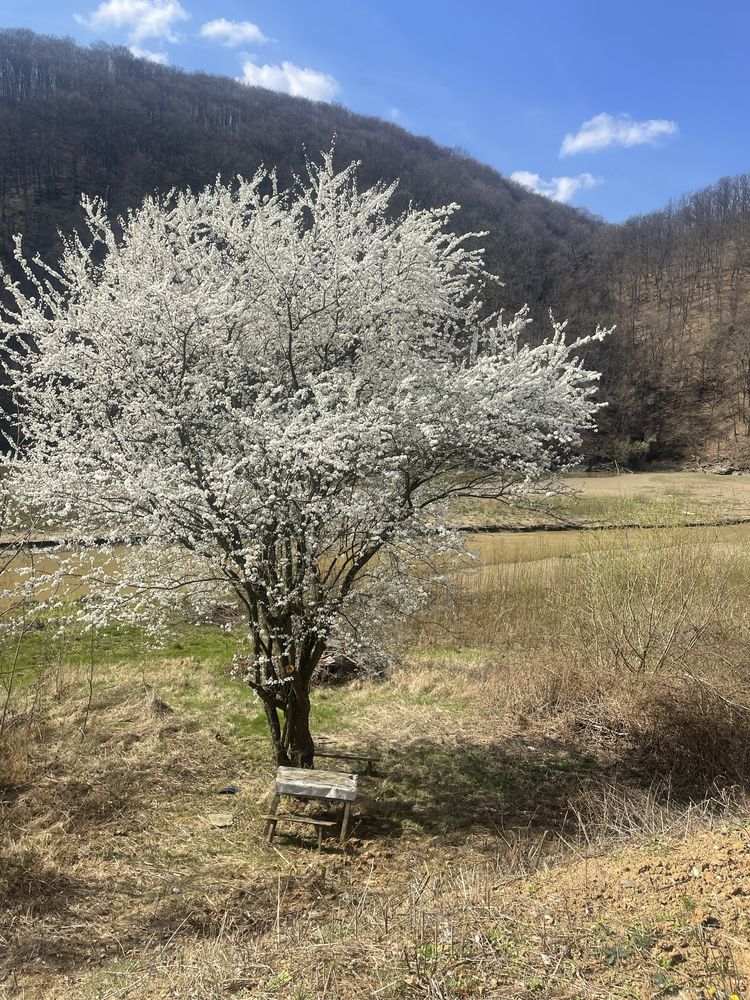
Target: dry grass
113,883
530,780
641,498
635,641
412,911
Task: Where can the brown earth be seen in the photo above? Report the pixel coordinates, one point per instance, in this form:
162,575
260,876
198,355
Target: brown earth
674,916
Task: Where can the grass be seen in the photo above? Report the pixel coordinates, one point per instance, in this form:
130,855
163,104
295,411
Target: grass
534,831
645,499
114,879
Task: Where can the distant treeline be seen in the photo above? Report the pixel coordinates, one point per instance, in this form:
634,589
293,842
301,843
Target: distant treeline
677,373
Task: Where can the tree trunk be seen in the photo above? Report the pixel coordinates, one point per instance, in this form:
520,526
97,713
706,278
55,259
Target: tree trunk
299,742
277,739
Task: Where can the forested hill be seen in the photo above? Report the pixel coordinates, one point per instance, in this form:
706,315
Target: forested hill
98,120
676,282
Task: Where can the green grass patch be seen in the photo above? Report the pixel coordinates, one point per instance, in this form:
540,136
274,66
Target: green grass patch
46,647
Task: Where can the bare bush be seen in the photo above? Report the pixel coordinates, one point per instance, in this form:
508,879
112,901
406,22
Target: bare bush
649,604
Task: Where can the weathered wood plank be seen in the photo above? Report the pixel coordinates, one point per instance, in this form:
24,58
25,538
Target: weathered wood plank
294,818
313,784
368,759
345,822
271,818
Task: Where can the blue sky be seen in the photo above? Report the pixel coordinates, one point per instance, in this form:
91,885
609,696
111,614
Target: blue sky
652,97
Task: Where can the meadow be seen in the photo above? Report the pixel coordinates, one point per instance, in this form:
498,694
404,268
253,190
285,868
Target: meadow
560,809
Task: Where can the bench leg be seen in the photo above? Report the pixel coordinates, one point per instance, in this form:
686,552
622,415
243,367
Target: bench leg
320,837
345,822
271,823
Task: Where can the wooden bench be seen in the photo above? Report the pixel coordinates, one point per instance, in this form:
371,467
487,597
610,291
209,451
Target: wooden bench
318,822
308,784
370,759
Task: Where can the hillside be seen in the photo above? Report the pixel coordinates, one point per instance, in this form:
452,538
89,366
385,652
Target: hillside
102,122
677,283
676,375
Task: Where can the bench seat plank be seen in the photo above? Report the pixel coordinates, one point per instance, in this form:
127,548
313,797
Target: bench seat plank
307,783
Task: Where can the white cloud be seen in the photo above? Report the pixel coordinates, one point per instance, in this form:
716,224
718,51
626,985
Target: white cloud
232,32
605,130
558,188
394,114
156,57
140,18
291,79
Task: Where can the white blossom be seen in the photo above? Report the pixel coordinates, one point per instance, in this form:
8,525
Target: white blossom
274,395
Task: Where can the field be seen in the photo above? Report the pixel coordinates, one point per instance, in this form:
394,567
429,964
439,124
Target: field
630,498
561,808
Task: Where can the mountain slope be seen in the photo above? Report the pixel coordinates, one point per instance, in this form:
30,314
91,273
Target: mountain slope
676,374
100,121
677,282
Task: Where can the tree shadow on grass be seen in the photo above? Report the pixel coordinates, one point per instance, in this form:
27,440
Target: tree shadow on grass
458,787
455,789
449,790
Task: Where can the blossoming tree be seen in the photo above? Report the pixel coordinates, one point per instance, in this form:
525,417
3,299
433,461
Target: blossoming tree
274,396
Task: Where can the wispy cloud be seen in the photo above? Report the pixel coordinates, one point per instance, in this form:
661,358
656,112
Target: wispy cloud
603,131
394,114
291,79
156,57
140,18
233,33
558,188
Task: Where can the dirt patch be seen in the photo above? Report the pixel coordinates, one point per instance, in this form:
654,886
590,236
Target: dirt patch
682,907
